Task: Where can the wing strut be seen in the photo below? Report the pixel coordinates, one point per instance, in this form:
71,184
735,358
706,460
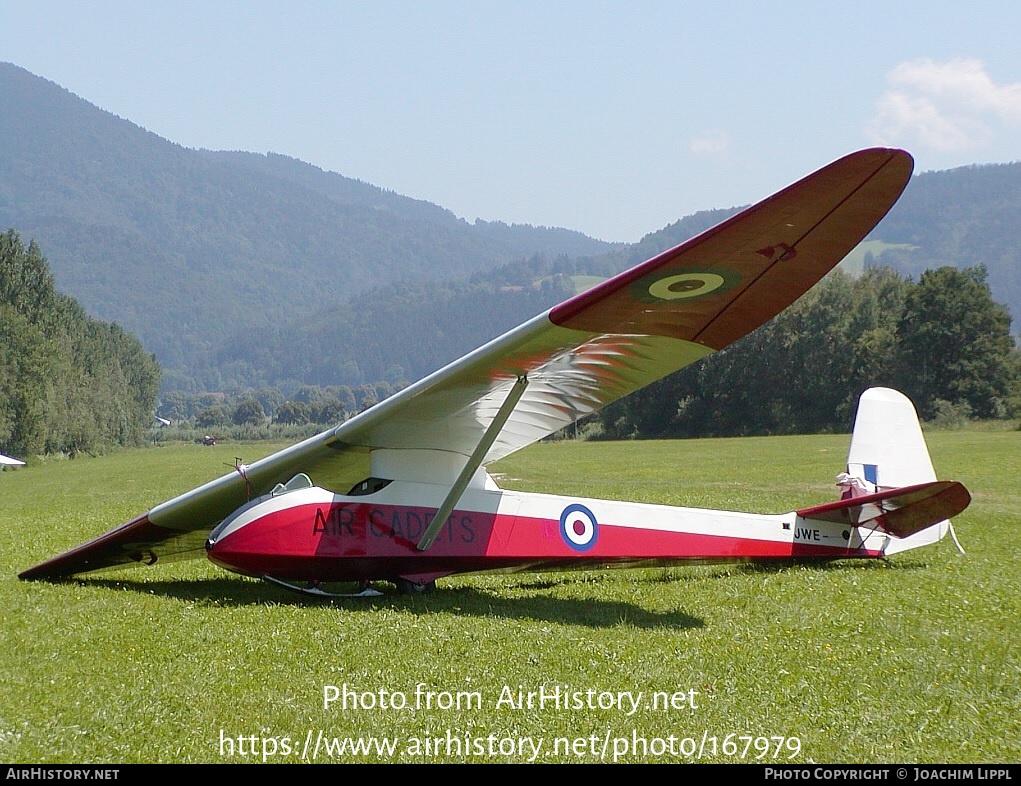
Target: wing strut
474,462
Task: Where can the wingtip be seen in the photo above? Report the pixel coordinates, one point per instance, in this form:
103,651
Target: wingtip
892,153
108,550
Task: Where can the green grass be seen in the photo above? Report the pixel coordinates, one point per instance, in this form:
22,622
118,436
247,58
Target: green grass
583,283
854,263
915,659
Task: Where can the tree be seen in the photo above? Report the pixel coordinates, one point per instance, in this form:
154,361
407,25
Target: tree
292,412
211,416
249,413
68,383
955,343
328,411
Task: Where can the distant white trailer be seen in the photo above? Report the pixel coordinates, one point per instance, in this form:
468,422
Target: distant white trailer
7,461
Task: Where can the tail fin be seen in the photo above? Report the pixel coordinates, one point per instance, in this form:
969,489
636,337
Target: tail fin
887,446
888,452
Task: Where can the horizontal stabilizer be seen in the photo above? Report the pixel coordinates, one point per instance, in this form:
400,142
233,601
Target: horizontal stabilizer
900,512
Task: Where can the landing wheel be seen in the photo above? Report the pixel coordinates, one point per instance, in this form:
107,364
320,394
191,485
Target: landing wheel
406,587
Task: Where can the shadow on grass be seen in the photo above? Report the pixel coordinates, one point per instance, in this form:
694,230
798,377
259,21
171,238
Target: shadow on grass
505,601
823,566
691,573
455,600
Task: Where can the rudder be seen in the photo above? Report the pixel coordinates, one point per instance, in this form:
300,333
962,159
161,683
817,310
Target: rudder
887,446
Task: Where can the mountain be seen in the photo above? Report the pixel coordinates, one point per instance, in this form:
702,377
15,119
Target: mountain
184,247
959,218
239,268
401,333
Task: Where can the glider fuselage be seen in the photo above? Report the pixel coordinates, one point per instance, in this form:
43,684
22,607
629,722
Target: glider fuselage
313,534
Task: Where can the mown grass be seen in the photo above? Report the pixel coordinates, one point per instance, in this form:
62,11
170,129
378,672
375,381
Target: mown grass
910,660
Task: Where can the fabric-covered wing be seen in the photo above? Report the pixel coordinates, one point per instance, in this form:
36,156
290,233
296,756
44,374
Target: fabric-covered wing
590,350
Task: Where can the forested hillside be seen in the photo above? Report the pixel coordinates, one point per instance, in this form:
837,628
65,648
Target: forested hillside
186,247
68,383
401,333
513,239
962,218
398,334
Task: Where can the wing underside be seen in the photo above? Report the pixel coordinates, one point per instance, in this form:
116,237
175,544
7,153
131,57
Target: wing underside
623,334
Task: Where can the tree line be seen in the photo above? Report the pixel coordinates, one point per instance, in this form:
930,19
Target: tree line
942,340
308,404
68,383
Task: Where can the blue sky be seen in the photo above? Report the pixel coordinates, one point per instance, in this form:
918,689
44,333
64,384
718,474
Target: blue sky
612,118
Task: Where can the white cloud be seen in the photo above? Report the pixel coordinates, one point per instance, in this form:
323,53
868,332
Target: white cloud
947,107
712,143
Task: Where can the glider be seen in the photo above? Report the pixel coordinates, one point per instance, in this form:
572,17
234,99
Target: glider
400,492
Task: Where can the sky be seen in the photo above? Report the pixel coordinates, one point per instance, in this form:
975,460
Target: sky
611,118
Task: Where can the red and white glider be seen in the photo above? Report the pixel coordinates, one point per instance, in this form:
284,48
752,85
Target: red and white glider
401,493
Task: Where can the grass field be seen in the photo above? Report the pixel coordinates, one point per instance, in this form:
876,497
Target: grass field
916,659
